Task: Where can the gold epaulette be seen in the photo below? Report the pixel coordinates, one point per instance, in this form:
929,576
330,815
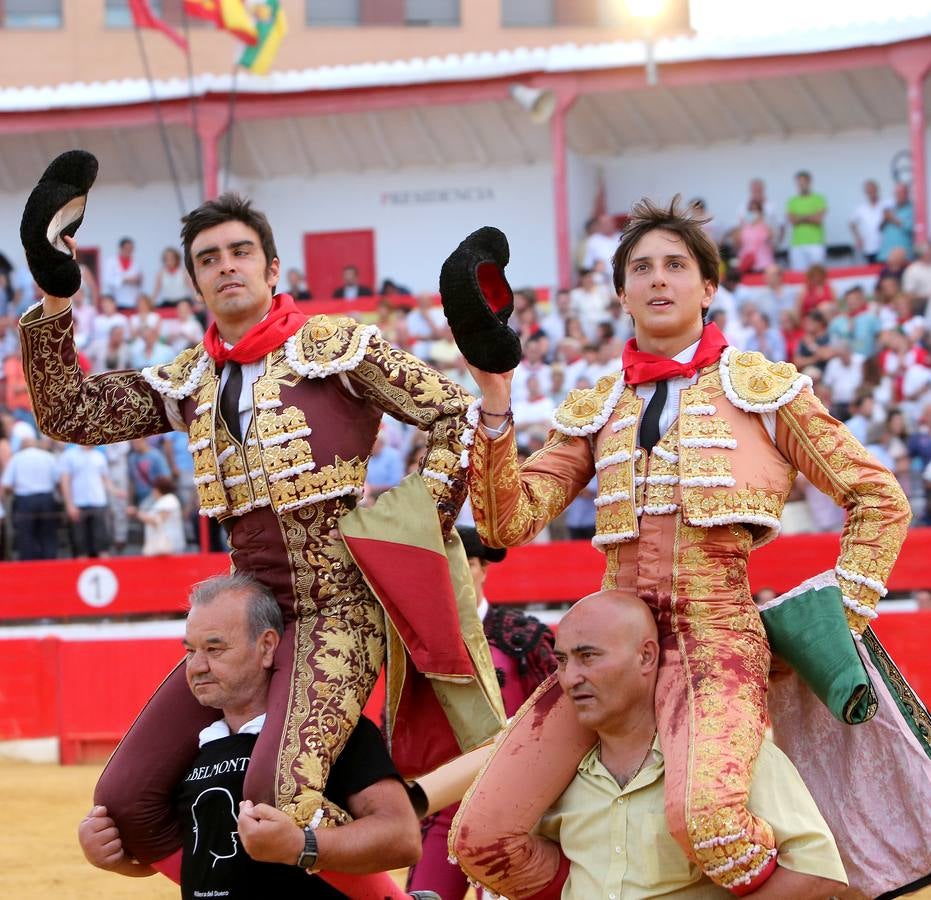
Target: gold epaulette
326,345
755,384
585,411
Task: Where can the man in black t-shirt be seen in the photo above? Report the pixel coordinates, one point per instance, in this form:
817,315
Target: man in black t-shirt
231,635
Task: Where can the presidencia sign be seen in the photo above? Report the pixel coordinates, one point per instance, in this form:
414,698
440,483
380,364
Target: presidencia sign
425,196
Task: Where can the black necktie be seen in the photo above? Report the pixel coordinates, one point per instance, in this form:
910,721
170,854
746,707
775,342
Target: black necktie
649,425
229,400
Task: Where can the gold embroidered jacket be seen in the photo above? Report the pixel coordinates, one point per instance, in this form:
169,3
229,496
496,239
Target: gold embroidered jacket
744,431
316,410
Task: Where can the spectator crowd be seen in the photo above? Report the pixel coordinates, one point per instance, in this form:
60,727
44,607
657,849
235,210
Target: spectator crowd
863,338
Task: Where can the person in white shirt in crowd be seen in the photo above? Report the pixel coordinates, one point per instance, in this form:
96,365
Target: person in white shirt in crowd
761,334
866,222
725,297
843,375
536,410
106,319
916,279
31,477
590,302
569,355
533,363
85,489
601,244
185,329
83,314
554,322
775,297
606,361
145,317
149,350
426,323
350,289
172,282
862,408
113,355
118,470
122,276
162,518
385,469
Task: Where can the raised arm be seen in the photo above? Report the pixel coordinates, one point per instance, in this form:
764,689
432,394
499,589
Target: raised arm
99,409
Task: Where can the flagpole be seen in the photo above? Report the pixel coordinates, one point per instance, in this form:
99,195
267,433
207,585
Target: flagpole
230,121
166,144
195,123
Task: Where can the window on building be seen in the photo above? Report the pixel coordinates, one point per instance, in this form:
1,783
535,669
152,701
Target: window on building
31,13
117,14
543,13
381,12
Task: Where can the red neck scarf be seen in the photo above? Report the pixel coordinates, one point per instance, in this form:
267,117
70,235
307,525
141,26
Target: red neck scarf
283,320
641,367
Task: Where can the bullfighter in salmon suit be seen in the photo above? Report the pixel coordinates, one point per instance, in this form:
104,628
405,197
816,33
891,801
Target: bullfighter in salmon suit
695,445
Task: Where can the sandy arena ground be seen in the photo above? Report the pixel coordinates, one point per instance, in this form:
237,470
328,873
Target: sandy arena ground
39,853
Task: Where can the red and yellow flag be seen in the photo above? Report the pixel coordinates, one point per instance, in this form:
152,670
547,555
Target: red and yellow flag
227,15
143,17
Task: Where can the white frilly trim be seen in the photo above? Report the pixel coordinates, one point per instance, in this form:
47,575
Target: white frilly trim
663,479
202,444
262,501
739,518
621,424
722,443
316,498
286,473
866,611
857,637
233,480
612,460
665,454
205,479
225,454
316,819
436,476
598,422
287,436
163,386
211,512
708,481
252,442
661,509
315,370
615,537
700,409
472,417
720,841
856,578
816,582
639,479
801,382
741,860
204,407
268,404
607,499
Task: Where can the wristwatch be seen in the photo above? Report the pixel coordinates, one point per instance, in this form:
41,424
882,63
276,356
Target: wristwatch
308,858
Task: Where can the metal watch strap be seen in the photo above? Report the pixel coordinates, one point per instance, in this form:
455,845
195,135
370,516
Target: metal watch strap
308,859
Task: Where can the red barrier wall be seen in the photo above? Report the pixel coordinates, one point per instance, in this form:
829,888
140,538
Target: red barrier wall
539,573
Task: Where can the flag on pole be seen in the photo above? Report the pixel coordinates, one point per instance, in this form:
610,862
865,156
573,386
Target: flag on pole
143,17
227,15
271,26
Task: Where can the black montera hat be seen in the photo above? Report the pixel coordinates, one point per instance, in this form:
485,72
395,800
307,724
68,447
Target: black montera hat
475,548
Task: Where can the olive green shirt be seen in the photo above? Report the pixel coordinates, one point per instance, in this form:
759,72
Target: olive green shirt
619,846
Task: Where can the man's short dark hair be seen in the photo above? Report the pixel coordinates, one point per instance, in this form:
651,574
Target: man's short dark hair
803,173
229,207
263,611
647,216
